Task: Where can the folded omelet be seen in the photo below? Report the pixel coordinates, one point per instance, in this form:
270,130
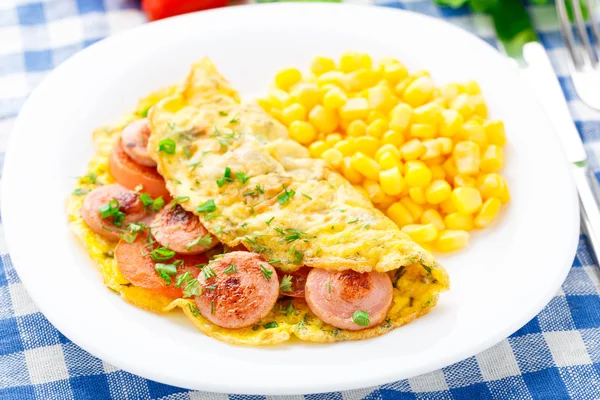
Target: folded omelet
250,184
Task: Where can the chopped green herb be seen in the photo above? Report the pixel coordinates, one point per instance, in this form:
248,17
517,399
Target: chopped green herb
222,113
166,271
112,209
225,138
183,278
427,269
146,199
204,241
244,225
208,272
144,112
195,164
274,261
167,146
79,192
162,254
89,178
307,196
211,287
177,181
259,189
282,198
266,273
186,151
319,250
329,287
234,120
181,199
288,310
361,318
171,125
219,229
226,177
241,176
271,325
286,284
207,207
298,257
293,235
158,203
353,221
269,221
231,269
212,307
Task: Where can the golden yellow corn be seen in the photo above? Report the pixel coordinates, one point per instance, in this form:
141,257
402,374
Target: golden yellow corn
333,157
437,191
302,132
361,79
307,94
412,149
400,117
450,91
458,220
490,185
492,159
317,148
356,108
345,146
391,181
357,128
401,86
467,158
505,196
417,195
433,149
320,65
374,115
419,91
474,132
279,99
467,200
417,174
421,233
451,240
332,139
337,78
472,87
488,212
461,180
433,217
386,202
392,70
392,137
293,112
352,175
325,120
437,172
365,165
447,206
430,113
462,105
479,106
494,132
451,123
422,130
415,209
351,61
367,144
381,98
334,98
374,190
446,144
264,103
388,160
287,77
450,169
377,128
399,214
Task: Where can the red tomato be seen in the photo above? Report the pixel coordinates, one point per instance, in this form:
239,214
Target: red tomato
158,9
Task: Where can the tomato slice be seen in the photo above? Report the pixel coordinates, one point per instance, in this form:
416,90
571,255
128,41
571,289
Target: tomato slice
158,9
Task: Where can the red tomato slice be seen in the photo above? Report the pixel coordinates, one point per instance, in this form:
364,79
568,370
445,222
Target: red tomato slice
158,9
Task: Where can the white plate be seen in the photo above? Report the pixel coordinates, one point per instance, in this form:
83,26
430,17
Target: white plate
504,278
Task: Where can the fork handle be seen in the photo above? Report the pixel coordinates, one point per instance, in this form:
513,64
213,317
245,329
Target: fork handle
588,187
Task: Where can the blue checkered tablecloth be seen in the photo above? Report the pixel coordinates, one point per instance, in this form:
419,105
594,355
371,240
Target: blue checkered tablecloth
555,356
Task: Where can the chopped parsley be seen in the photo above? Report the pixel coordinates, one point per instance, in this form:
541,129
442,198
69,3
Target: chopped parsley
183,278
259,189
207,207
166,271
162,254
288,310
282,198
298,256
361,318
167,146
266,273
268,223
270,325
286,284
231,269
112,209
202,240
134,229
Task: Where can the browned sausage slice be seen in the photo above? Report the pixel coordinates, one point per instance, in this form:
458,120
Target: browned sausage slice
292,283
135,142
344,298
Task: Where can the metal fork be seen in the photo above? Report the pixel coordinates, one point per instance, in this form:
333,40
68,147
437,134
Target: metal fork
585,56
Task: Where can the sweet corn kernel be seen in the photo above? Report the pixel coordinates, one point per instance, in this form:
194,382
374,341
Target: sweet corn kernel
345,146
447,206
450,91
419,91
279,99
317,148
352,175
264,104
451,123
287,77
374,115
472,87
357,128
400,117
367,145
490,185
492,159
302,132
417,195
392,137
377,128
437,172
356,108
320,65
344,123
488,213
494,132
388,160
391,181
324,119
430,113
451,240
474,132
361,79
463,105
333,157
392,70
362,191
401,86
505,196
412,149
332,139
275,113
365,165
458,220
399,214
433,217
386,202
461,180
467,158
446,144
387,148
294,112
433,149
479,107
417,174
337,78
307,94
381,98
374,190
422,130
467,200
415,209
421,233
450,169
352,60
334,98
438,191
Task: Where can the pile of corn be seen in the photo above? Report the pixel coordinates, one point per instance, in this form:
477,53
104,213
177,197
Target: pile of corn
425,156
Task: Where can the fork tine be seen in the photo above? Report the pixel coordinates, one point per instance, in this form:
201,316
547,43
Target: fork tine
594,24
583,35
567,33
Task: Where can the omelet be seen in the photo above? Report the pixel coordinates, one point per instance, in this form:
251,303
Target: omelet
250,184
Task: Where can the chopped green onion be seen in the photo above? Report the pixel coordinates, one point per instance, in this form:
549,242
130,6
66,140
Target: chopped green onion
208,272
158,203
282,198
162,254
241,176
266,273
203,240
361,318
271,325
307,196
231,269
207,207
166,271
146,199
167,146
